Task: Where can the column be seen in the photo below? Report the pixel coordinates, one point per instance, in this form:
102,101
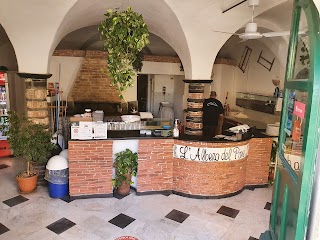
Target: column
36,97
194,107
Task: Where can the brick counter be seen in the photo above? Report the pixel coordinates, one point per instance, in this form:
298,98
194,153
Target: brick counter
158,170
90,168
209,178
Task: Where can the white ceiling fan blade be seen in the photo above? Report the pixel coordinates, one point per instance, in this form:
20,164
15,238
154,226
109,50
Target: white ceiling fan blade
226,32
280,34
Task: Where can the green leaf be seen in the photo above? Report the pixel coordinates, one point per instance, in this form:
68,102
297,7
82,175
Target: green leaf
124,34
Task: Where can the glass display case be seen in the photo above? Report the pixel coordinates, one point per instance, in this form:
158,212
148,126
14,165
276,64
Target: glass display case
256,102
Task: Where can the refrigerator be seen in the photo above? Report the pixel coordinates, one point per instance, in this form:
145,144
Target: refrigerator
4,108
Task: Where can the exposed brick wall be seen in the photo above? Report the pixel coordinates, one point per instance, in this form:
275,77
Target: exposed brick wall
69,53
258,161
231,62
90,167
93,84
208,178
90,53
155,165
152,58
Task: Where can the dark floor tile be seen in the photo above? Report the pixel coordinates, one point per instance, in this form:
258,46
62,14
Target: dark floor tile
15,200
230,212
177,216
167,193
118,196
66,199
250,188
2,166
3,229
121,220
253,238
268,206
61,225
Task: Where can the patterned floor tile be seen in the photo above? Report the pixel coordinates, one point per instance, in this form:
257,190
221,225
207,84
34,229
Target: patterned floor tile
61,225
121,220
177,216
15,201
2,166
3,229
268,206
230,212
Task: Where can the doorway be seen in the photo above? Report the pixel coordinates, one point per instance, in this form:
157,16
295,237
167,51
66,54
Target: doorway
142,92
299,129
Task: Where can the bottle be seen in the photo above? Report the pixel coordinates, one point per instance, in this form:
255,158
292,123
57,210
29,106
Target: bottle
87,113
276,92
176,129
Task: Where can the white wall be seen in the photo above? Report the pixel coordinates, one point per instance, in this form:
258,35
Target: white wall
69,69
178,99
224,82
256,78
159,82
131,93
8,57
161,68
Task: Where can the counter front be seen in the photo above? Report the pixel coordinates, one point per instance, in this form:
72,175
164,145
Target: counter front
201,169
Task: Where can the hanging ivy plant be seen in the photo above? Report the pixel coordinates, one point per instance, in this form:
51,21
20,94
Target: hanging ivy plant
125,34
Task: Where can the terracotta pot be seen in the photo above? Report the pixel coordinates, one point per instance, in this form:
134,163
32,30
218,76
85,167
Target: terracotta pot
27,184
124,188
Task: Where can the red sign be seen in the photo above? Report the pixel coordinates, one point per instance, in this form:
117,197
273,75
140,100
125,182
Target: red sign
296,131
299,109
2,78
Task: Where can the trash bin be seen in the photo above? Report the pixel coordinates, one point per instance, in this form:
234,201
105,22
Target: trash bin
64,153
57,175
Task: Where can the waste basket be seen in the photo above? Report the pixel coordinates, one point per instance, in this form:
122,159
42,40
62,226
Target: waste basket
57,174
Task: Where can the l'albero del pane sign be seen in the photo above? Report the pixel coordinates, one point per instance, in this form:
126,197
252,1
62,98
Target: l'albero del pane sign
210,154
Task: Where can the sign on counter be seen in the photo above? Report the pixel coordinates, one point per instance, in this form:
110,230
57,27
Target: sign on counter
210,154
89,130
100,130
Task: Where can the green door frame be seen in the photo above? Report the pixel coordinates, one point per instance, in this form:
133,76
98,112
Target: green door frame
302,183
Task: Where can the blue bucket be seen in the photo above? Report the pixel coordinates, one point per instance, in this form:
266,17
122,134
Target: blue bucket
58,190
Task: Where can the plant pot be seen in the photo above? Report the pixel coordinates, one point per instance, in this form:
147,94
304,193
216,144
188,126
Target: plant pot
124,188
27,184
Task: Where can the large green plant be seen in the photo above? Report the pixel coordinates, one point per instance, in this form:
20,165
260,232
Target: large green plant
28,139
126,163
125,34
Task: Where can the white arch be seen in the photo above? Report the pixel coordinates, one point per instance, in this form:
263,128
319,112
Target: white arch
199,17
31,25
160,19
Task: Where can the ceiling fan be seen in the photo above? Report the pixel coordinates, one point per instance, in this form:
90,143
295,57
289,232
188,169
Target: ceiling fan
251,29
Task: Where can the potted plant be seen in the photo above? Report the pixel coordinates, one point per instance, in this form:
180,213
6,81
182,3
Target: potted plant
126,164
31,141
125,34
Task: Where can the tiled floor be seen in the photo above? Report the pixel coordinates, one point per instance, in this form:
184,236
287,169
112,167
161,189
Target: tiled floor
37,216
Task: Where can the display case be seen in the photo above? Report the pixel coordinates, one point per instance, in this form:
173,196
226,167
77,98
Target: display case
256,102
